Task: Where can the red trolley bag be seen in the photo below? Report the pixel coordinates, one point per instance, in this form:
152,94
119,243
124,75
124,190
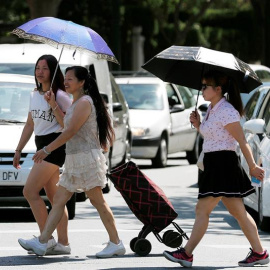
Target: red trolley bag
149,204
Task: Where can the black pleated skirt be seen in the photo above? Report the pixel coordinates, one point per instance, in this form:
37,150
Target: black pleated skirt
224,176
57,156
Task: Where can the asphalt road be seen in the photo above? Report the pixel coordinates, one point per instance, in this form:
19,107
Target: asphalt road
221,248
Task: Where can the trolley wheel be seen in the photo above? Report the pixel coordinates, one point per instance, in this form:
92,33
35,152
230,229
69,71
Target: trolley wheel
173,239
165,234
132,243
142,247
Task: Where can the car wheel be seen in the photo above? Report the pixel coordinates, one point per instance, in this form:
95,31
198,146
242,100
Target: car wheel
160,160
107,188
264,222
71,206
193,155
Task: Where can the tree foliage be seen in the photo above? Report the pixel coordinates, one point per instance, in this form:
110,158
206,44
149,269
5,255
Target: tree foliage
12,13
239,26
262,21
39,8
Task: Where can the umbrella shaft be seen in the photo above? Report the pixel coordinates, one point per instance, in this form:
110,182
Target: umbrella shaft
57,66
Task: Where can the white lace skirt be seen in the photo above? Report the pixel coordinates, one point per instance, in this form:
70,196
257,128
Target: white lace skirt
84,171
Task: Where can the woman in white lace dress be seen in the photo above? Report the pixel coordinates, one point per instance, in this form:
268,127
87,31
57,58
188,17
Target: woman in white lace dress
87,132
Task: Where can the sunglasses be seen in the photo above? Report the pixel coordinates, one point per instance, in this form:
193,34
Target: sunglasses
204,86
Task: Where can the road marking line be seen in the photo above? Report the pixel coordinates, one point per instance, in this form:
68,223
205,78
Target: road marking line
10,248
100,246
70,231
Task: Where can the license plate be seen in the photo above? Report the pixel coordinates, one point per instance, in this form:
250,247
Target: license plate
8,176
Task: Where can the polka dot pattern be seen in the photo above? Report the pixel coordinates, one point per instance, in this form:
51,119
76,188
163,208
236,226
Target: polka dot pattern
216,137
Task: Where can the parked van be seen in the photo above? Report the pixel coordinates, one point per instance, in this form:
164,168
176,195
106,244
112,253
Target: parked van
21,59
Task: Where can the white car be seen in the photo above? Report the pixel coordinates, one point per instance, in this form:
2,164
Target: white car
14,105
254,103
257,133
246,97
159,119
263,72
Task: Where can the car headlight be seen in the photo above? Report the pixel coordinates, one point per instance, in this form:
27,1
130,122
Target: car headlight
138,132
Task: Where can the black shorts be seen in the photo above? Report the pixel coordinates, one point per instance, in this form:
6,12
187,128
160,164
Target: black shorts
224,176
57,156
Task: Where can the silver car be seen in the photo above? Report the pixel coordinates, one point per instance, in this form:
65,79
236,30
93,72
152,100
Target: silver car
159,119
257,131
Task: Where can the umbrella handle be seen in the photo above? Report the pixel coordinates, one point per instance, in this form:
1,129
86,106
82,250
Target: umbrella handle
197,99
57,66
196,107
202,72
196,114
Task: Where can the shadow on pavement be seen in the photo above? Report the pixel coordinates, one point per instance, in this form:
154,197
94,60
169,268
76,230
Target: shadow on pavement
177,267
141,268
35,260
133,255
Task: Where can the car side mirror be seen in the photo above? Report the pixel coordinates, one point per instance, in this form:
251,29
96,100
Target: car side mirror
254,126
177,108
117,107
203,107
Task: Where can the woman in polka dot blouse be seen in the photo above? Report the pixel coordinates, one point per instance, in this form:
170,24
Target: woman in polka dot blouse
223,177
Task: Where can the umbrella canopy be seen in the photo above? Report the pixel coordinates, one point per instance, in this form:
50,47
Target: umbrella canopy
55,32
187,65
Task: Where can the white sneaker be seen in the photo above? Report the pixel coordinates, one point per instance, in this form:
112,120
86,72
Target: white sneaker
51,244
24,244
35,245
59,249
112,249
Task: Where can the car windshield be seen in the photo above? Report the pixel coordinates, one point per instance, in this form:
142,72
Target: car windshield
266,114
195,92
264,75
143,96
251,105
14,101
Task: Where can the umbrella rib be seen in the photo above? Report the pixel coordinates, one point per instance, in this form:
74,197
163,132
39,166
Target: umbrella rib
20,33
55,32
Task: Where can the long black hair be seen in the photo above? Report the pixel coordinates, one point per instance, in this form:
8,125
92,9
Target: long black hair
105,129
229,86
58,82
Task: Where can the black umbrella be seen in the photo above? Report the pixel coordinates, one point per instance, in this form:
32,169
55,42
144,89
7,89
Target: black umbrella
187,65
